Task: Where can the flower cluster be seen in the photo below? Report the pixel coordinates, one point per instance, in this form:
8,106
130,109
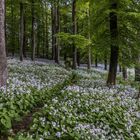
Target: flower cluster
88,109
23,76
84,109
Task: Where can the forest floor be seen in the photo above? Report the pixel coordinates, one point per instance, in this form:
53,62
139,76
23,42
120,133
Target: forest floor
46,101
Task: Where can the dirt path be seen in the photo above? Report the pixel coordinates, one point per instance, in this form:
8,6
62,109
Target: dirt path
25,122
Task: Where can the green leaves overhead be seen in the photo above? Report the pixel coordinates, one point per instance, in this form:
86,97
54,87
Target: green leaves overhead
92,21
78,40
128,26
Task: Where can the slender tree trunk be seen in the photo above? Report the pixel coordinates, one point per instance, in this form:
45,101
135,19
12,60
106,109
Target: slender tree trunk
43,34
89,36
65,56
12,29
65,29
137,77
74,32
96,62
47,37
137,68
38,39
38,43
89,57
33,31
120,68
43,49
124,72
53,30
137,73
43,40
24,38
21,30
57,30
78,58
5,27
105,63
3,60
114,45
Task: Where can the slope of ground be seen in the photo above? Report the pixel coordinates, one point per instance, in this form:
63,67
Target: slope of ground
68,104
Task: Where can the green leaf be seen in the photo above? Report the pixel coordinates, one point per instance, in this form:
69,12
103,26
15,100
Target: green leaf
6,121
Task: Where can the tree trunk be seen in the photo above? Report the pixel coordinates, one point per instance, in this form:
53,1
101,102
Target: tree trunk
96,62
5,27
66,30
74,32
53,30
47,37
137,73
65,56
44,36
43,45
124,72
3,60
78,58
89,36
57,30
21,30
114,45
24,38
38,39
120,68
105,63
12,29
89,57
33,31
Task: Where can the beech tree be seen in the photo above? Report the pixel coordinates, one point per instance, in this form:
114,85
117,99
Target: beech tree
114,44
111,27
74,28
33,30
3,61
21,30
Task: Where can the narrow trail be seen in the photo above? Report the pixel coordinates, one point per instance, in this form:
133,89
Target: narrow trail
26,120
23,124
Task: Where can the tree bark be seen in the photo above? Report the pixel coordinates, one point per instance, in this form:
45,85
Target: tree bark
89,57
96,62
137,73
33,31
120,68
114,45
124,72
12,29
21,30
57,30
53,30
47,37
3,60
74,22
78,58
105,63
24,38
66,30
43,36
137,68
38,39
89,36
5,27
